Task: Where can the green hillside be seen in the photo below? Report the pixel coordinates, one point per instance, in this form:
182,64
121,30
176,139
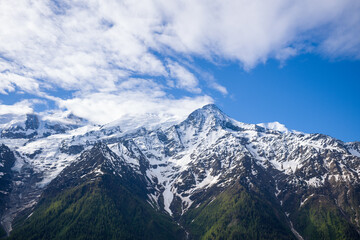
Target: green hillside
320,219
237,214
101,209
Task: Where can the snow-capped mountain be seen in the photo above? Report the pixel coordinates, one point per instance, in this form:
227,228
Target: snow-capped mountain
32,126
185,168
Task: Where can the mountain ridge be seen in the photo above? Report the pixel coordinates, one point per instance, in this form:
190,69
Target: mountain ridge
180,167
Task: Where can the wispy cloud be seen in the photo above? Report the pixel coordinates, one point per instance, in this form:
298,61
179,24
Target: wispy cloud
22,107
184,78
103,108
120,48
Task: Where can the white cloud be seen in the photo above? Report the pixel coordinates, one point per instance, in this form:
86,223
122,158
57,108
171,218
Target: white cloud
102,108
98,48
9,80
93,40
252,31
18,108
218,87
76,50
342,40
183,77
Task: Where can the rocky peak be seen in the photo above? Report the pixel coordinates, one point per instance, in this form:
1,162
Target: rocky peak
32,122
209,116
90,164
210,111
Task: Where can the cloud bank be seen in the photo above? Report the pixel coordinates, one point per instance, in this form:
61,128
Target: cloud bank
119,55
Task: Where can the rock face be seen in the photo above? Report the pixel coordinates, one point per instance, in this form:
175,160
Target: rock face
216,177
7,160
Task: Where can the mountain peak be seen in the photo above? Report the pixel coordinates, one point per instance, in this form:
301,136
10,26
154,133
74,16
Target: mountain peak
212,109
209,110
211,106
210,117
208,113
32,122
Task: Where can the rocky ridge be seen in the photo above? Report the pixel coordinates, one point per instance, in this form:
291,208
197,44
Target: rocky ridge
179,168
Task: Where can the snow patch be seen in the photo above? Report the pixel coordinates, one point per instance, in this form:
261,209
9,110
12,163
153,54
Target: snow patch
303,202
274,126
354,152
168,197
208,181
315,182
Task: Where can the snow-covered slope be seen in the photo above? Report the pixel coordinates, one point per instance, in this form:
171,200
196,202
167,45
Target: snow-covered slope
180,161
32,126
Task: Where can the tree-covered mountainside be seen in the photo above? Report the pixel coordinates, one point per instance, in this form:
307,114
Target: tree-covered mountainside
99,209
103,209
237,214
319,218
2,232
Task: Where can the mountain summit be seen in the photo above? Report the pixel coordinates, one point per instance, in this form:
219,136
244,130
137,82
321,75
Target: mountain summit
206,177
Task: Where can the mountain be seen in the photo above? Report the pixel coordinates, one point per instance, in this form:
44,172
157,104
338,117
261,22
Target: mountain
98,195
32,126
206,177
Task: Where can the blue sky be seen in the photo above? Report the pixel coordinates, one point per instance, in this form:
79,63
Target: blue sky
295,62
308,93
